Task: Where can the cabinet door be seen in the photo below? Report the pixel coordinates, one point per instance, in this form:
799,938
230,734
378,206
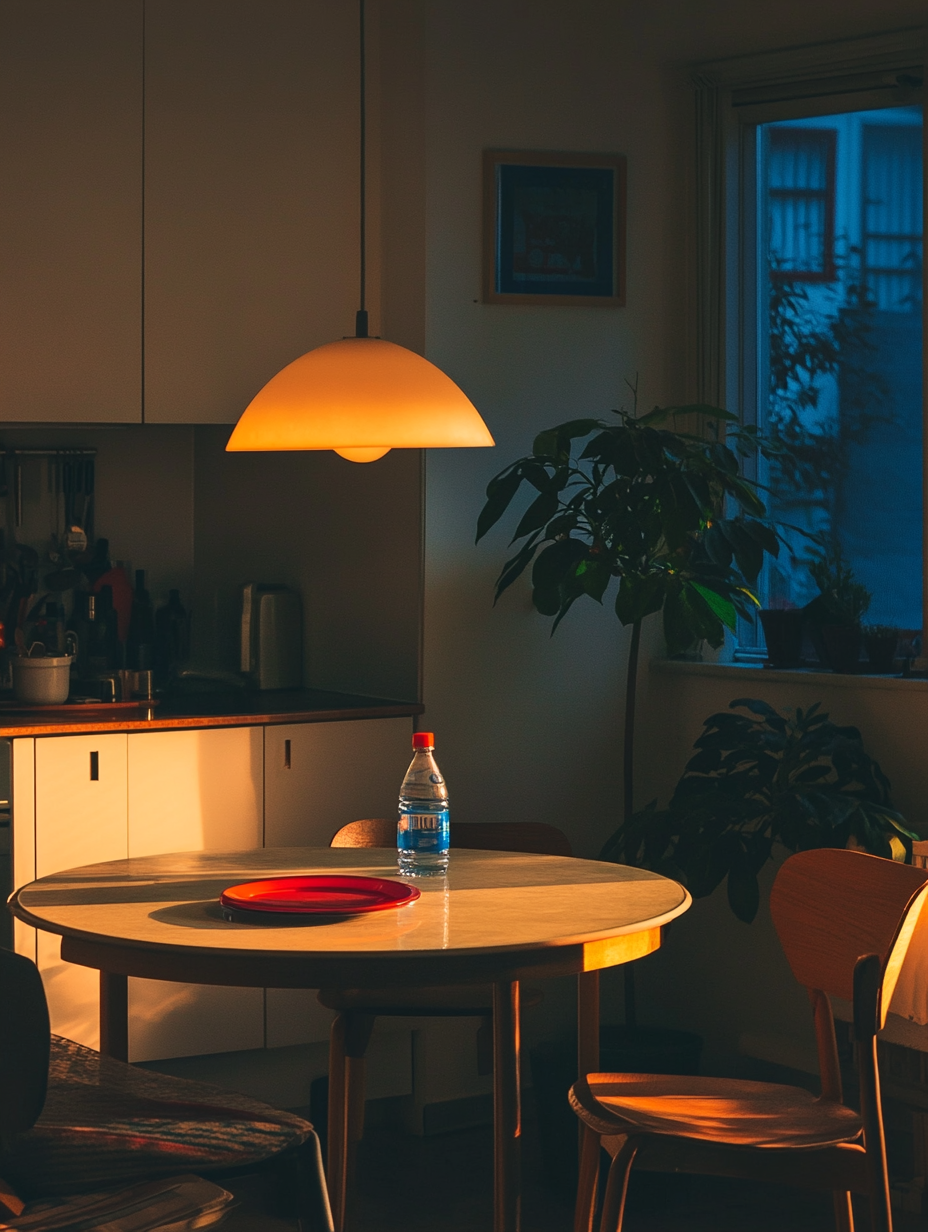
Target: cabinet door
194,791
24,937
80,818
70,210
251,140
318,777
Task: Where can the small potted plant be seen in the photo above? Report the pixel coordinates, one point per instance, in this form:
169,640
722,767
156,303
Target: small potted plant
759,780
836,613
881,642
783,630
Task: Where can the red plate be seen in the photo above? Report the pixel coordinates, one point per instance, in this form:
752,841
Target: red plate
324,894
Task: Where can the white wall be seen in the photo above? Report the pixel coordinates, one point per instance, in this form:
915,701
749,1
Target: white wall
526,725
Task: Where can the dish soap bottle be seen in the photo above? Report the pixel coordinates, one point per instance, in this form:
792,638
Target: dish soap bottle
423,830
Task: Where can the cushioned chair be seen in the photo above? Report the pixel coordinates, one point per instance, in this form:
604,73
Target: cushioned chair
358,1008
845,920
74,1121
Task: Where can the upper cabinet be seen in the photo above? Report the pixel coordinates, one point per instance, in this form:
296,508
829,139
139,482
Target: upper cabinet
178,202
251,196
70,210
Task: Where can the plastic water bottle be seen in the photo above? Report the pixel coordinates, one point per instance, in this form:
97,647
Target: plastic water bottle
422,833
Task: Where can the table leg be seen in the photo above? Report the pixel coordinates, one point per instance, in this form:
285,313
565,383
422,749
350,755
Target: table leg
114,1016
587,1022
507,1109
587,1032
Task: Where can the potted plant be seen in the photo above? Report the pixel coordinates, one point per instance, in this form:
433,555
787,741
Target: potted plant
759,780
836,613
881,643
635,501
783,630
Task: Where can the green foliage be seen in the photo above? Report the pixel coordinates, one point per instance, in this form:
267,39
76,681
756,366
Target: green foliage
808,342
842,599
635,500
759,779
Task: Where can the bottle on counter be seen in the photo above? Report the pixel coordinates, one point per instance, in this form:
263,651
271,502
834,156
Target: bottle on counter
140,647
108,629
423,830
171,634
92,640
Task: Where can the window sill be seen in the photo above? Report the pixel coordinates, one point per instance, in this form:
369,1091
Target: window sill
804,675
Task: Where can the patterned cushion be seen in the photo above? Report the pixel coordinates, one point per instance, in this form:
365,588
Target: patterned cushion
105,1121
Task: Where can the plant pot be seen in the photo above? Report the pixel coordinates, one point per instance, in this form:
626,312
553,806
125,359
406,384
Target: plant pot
881,651
622,1050
783,635
842,645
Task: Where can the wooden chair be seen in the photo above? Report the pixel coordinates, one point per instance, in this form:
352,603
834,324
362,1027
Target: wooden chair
845,920
358,1009
73,1121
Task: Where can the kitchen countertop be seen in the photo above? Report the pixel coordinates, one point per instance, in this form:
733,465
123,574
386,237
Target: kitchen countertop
226,709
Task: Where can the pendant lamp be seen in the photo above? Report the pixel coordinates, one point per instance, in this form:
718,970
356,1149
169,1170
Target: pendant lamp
359,396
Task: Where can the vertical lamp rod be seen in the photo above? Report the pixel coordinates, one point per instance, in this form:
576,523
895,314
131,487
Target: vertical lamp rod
360,328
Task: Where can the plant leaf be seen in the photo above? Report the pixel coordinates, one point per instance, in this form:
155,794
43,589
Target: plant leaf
723,608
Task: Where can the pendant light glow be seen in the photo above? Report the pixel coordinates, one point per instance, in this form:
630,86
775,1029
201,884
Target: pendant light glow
360,397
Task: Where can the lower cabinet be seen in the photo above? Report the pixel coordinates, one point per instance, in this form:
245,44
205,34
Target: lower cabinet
200,790
80,818
106,797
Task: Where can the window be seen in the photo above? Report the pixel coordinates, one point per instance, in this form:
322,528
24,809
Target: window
800,175
810,291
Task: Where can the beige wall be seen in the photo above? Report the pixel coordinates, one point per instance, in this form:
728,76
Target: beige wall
527,725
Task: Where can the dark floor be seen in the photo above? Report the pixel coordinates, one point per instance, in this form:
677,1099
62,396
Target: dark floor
444,1184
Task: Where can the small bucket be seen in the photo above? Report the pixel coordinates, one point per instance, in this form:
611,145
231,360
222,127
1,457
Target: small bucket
42,682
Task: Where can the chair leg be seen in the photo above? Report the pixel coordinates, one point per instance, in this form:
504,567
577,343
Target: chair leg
348,1042
844,1212
617,1187
587,1184
315,1213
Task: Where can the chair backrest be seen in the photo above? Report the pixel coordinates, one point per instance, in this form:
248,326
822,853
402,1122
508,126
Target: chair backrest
25,1042
530,836
831,906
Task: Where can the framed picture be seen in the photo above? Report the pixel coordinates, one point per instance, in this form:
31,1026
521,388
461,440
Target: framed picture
554,228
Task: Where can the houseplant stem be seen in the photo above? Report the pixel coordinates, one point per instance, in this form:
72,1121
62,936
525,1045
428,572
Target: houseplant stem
628,760
628,791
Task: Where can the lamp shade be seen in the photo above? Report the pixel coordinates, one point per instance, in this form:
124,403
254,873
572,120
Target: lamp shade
360,397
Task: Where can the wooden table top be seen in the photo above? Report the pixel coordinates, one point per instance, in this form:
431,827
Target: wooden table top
496,915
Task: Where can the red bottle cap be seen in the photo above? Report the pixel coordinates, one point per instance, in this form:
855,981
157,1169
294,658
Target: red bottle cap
423,740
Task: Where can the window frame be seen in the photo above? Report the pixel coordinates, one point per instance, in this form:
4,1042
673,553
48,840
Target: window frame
732,98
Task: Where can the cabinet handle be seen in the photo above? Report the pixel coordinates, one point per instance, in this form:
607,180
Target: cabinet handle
94,767
286,754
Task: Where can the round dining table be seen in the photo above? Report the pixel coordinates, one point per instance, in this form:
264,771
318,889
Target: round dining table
496,918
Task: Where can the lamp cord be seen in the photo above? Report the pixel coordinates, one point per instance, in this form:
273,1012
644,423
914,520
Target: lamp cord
361,317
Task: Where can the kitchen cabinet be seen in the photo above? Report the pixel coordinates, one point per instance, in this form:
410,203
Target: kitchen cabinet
71,210
82,799
80,818
318,777
251,214
196,790
189,169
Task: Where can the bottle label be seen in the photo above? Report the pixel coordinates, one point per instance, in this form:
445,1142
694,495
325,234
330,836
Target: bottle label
423,831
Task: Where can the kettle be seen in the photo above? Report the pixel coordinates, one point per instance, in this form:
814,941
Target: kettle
272,636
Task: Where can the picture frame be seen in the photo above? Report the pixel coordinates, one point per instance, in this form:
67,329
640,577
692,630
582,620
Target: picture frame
554,228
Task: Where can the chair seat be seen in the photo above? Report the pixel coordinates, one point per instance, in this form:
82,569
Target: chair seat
453,1000
105,1121
727,1111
